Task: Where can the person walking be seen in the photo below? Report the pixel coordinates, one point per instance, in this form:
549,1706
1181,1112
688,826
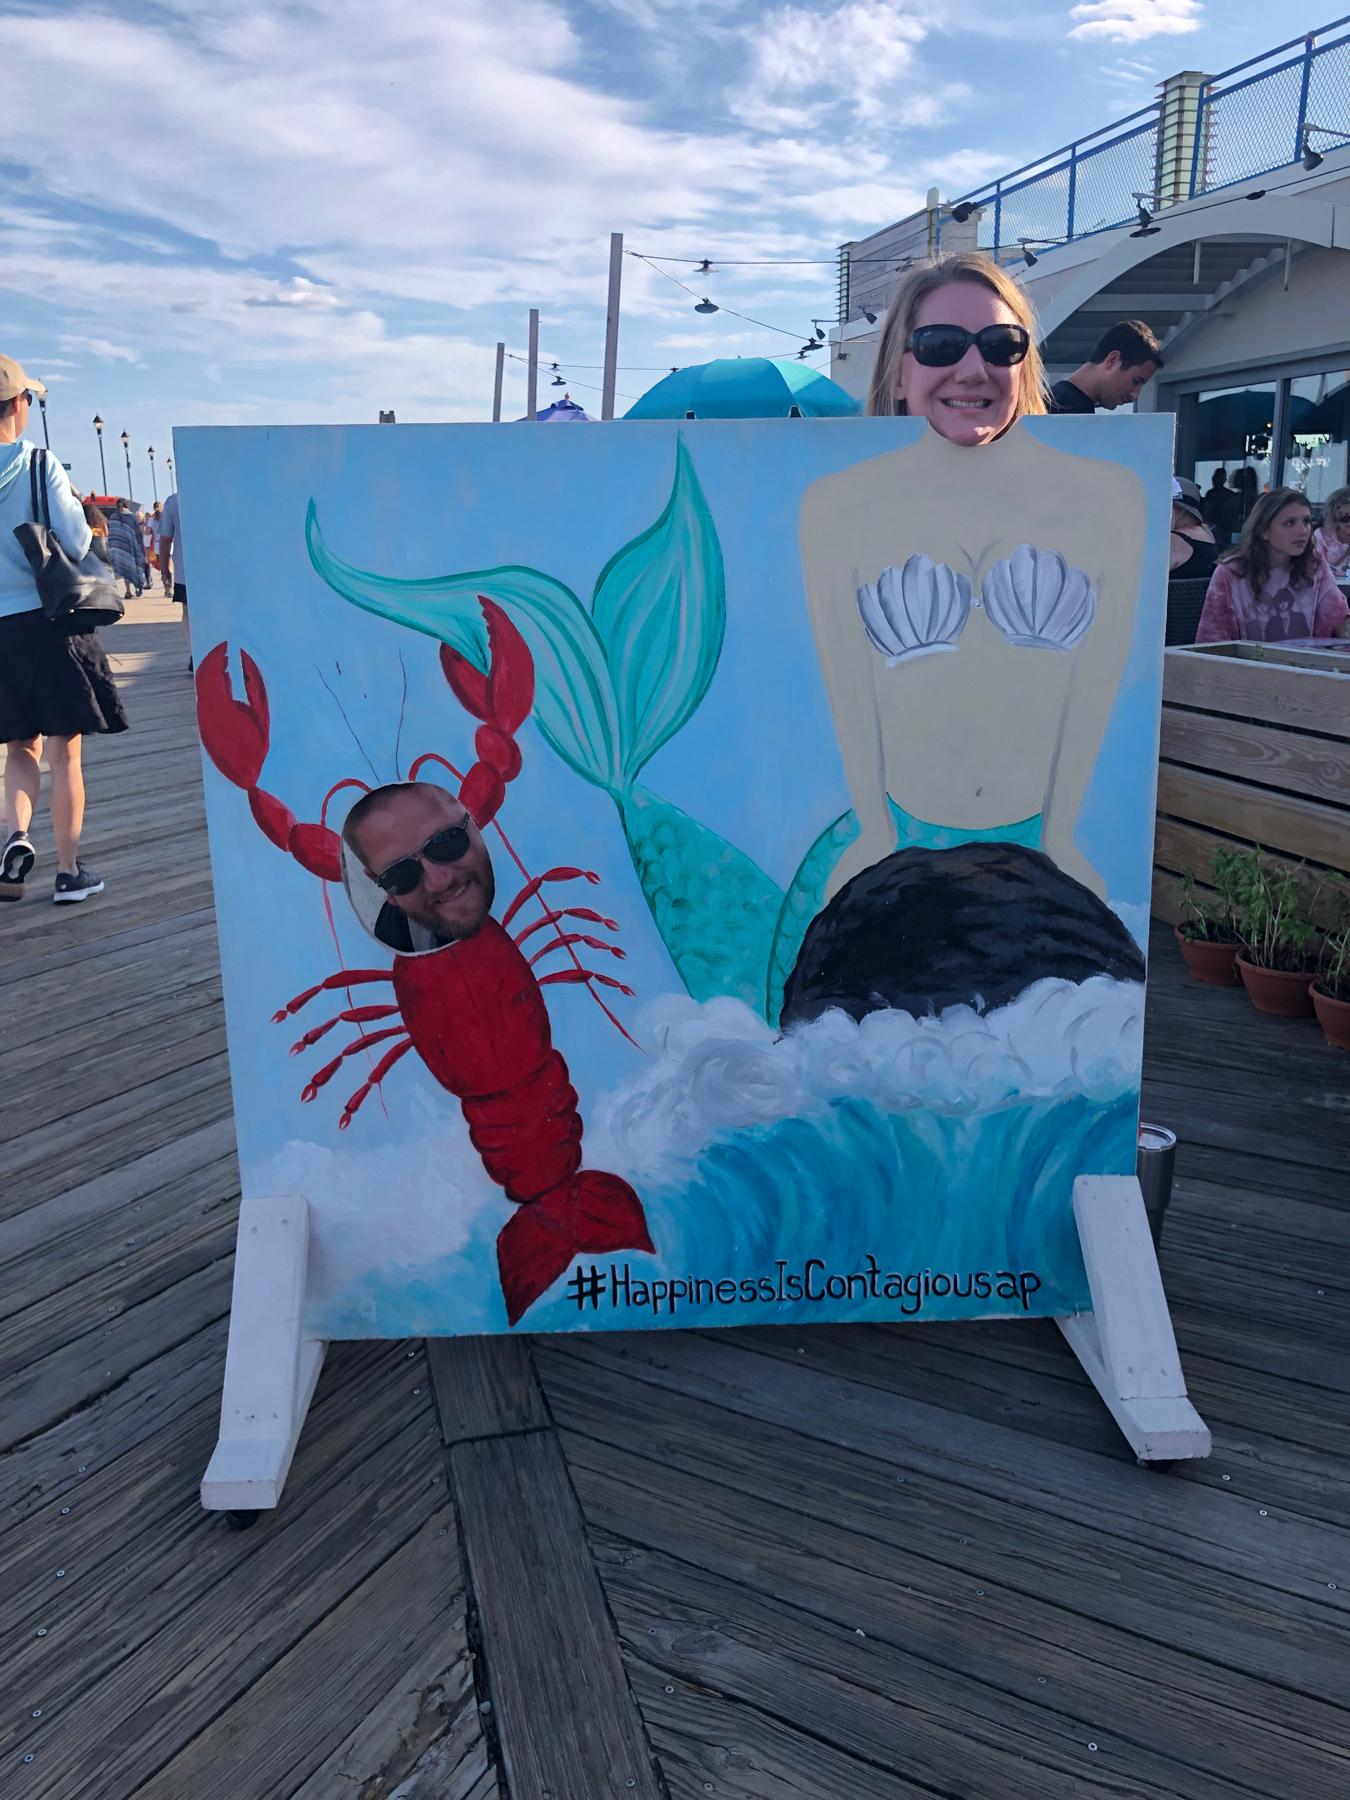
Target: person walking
53,684
127,550
171,561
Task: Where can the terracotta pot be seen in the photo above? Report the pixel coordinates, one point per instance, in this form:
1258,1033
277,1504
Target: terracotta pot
1284,993
1214,964
1332,1015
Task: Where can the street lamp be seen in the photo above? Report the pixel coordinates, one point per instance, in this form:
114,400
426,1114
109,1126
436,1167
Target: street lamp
126,451
42,402
172,477
103,470
154,485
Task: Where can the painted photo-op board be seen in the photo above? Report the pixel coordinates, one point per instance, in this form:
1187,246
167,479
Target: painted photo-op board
680,875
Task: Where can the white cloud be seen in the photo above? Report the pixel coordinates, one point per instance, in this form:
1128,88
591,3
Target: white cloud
100,349
861,56
1132,21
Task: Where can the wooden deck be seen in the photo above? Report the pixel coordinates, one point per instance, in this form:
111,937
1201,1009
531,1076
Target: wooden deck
858,1564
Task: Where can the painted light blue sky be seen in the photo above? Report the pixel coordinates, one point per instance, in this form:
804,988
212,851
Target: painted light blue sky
309,210
767,777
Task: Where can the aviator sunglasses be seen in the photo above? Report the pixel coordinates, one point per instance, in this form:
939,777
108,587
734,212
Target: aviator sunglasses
444,848
943,346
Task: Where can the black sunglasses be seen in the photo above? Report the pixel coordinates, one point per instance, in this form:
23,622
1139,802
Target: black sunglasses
444,848
942,346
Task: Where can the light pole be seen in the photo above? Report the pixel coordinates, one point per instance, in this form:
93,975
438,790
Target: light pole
42,402
103,468
173,480
154,485
126,451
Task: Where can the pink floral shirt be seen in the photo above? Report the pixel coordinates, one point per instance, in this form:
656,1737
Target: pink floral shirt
1278,612
1335,554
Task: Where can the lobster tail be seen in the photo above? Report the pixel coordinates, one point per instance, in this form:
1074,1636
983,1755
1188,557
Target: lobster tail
591,1214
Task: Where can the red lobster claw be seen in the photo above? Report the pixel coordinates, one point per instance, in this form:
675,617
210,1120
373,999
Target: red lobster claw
502,699
236,735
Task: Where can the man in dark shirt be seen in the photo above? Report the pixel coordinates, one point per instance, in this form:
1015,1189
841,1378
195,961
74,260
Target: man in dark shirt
1125,358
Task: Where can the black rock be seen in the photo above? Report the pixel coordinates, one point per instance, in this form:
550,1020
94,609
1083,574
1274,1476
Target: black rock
929,929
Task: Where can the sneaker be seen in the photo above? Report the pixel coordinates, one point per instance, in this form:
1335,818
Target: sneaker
78,886
16,859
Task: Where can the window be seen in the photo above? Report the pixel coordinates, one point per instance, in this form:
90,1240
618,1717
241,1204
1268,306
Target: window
1318,416
1233,429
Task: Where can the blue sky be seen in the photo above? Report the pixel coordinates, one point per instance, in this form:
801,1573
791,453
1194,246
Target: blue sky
308,210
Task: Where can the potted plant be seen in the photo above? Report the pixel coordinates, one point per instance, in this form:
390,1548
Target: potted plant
1331,990
1208,934
1279,941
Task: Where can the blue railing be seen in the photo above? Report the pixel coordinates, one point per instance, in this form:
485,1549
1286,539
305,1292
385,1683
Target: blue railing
1248,121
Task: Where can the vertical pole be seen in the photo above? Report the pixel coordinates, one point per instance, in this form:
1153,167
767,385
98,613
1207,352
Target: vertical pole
1073,189
612,324
1309,51
1200,102
998,215
497,385
532,388
42,402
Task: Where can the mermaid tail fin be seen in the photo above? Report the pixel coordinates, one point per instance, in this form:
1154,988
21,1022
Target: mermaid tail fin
593,1214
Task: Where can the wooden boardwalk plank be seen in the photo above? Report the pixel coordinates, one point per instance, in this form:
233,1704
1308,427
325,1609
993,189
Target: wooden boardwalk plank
569,1727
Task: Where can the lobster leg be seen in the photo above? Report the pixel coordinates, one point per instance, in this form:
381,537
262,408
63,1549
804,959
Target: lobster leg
574,975
377,1075
532,887
329,1070
565,939
587,913
344,978
354,1015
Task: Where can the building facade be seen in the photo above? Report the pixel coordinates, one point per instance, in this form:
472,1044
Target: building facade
1220,216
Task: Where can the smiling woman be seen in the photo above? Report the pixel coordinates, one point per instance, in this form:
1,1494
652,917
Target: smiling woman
959,349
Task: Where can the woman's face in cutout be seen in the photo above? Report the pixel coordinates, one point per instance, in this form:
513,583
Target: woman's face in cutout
973,401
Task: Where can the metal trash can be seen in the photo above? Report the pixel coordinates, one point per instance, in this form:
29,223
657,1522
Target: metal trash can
1156,1165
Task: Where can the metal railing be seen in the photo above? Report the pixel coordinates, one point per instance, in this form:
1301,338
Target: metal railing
1248,121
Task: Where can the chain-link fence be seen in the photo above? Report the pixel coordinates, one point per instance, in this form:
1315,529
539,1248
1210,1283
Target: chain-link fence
1250,120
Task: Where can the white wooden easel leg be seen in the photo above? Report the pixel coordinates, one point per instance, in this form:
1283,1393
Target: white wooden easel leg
270,1369
1126,1343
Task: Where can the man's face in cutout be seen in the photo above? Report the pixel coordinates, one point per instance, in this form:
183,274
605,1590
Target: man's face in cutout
451,899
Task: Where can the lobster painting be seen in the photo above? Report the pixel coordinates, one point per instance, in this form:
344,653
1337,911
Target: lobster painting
465,993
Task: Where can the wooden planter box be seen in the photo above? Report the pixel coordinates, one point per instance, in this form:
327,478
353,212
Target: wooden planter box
1255,749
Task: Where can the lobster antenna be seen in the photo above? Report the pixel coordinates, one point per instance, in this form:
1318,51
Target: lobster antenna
347,722
402,709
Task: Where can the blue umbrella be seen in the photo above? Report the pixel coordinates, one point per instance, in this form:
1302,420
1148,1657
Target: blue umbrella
750,387
562,412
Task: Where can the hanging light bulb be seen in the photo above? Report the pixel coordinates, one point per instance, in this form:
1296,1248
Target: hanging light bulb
1145,216
706,305
1311,158
558,380
704,268
1029,256
871,317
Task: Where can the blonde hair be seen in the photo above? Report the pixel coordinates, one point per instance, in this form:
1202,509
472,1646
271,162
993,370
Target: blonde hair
1336,506
883,396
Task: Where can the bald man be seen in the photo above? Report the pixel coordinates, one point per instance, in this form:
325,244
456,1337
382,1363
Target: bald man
422,849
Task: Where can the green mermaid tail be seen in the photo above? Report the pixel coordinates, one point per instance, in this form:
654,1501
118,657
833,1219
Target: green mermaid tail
715,909
613,683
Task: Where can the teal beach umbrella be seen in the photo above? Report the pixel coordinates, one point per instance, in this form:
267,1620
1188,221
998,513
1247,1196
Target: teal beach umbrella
750,387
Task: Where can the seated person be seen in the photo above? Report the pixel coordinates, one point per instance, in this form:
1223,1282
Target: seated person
1274,586
1192,551
1332,536
1222,509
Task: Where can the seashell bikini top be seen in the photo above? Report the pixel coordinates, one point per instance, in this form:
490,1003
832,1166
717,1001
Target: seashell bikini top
1034,598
